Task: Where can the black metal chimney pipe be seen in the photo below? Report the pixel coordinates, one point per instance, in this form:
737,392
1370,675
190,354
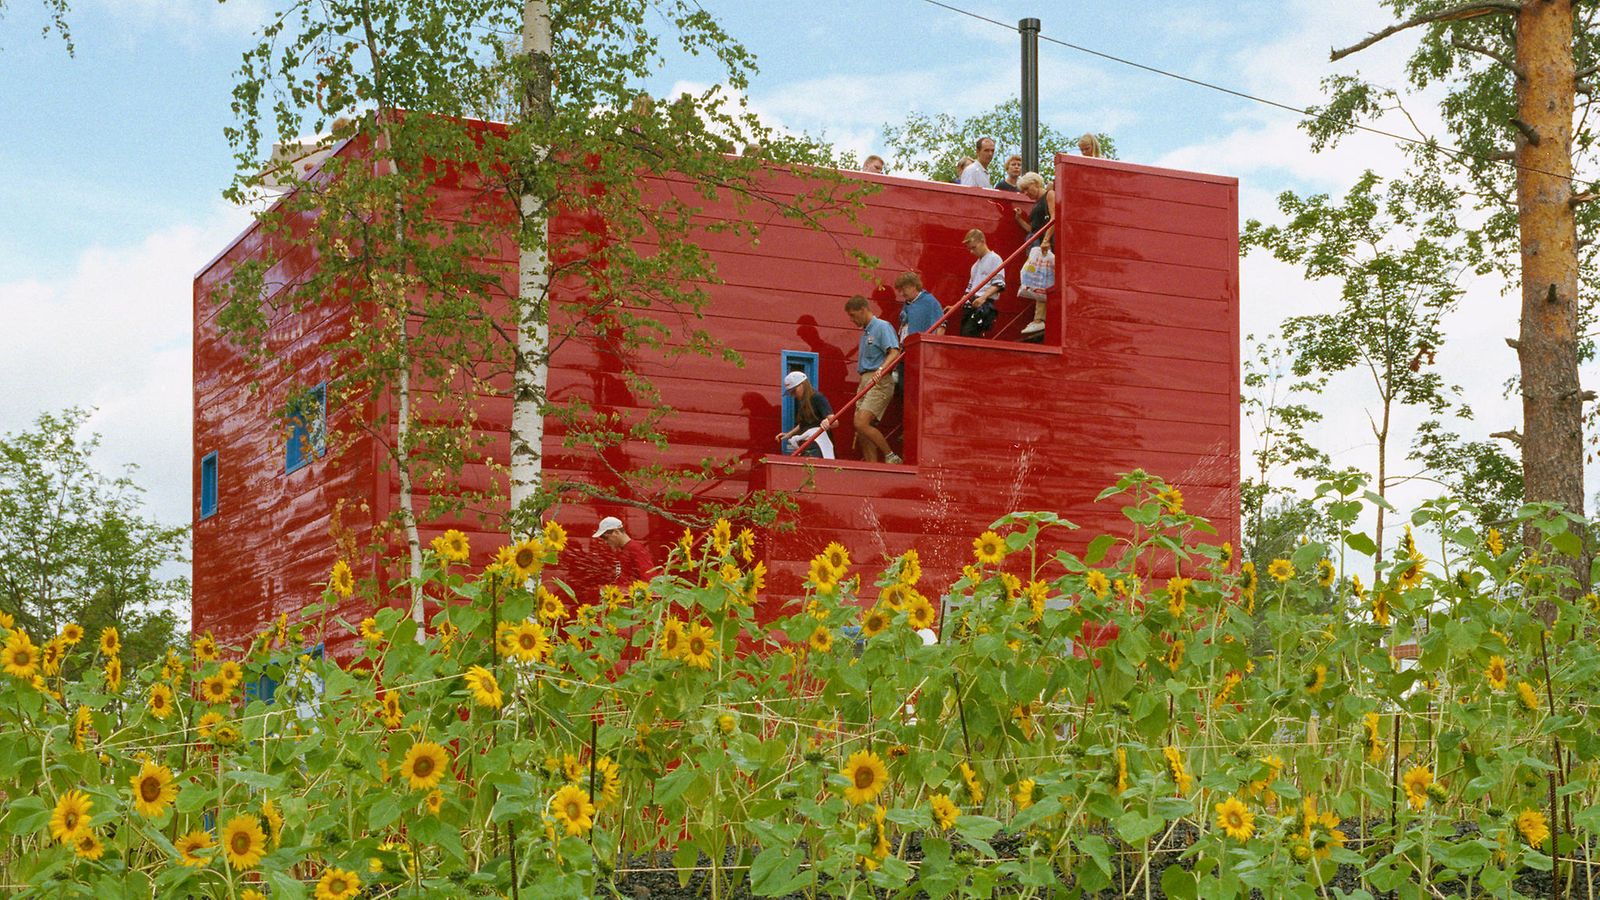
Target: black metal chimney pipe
1030,94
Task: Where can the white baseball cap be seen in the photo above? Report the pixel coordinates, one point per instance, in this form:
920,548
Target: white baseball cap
609,523
793,380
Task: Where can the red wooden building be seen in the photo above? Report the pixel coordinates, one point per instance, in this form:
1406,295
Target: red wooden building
1139,368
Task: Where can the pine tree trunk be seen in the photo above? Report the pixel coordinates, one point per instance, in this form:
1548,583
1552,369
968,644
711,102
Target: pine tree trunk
1552,408
530,377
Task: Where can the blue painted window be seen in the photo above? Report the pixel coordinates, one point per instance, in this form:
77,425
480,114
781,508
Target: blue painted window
208,485
795,361
264,686
308,428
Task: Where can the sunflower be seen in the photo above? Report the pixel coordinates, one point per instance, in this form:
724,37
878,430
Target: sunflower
274,818
190,847
526,559
1176,769
880,839
1415,783
1038,594
209,722
823,576
1533,826
671,641
921,614
1097,583
70,634
153,790
1380,608
215,689
610,776
821,639
1496,673
243,842
113,673
338,884
1326,573
82,724
1024,793
485,689
1174,657
699,646
341,581
554,536
6,621
70,819
529,642
1177,594
838,557
231,672
88,846
110,642
1369,723
1281,570
1171,501
453,546
205,647
1529,699
1494,543
1317,680
1225,555
944,811
434,801
551,609
572,809
1411,575
895,596
424,765
747,544
447,632
225,735
370,632
721,537
160,701
988,549
874,620
21,658
974,786
867,776
172,668
1122,770
1248,583
1235,820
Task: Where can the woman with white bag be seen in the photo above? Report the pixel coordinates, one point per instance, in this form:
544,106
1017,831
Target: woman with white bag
1039,272
813,415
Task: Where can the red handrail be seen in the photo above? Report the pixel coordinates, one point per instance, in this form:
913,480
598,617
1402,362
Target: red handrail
883,371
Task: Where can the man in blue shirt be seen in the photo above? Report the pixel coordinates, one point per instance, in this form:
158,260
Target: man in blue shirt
919,310
879,348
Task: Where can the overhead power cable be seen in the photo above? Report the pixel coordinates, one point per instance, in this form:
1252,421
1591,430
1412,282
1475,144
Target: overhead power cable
1456,152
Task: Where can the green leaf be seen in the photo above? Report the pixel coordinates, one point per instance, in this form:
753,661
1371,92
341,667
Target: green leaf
1360,543
24,816
1134,826
1097,549
1179,884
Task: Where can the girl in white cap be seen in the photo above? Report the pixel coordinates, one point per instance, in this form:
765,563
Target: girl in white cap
813,415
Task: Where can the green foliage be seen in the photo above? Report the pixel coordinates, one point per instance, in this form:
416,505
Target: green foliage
1278,413
932,145
804,749
1481,474
57,11
77,546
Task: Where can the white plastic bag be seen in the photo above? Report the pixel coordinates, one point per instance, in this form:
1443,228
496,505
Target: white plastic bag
1039,272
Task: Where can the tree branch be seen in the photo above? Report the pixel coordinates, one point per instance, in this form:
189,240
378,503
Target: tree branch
1451,14
1500,58
1527,130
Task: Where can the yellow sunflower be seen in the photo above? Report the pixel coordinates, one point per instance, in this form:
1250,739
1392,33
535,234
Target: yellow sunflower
671,641
424,765
1177,594
529,642
215,689
895,596
225,735
1496,673
838,557
1526,694
1326,573
191,846
721,537
21,658
1415,783
269,811
1097,583
554,536
82,725
1494,543
988,548
485,689
205,648
1177,770
341,580
338,884
944,811
1171,501
1281,570
1038,594
910,571
71,633
821,639
453,546
160,701
1411,575
110,642
610,776
866,776
974,786
572,808
113,673
1247,584
747,545
231,672
55,650
70,819
435,801
1374,743
1533,827
823,576
370,632
1122,770
526,559
153,790
1380,608
921,613
243,842
88,846
1024,793
1235,819
1225,555
874,621
1317,680
551,609
209,722
699,646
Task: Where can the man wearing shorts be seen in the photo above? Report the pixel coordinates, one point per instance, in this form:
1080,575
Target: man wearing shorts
879,349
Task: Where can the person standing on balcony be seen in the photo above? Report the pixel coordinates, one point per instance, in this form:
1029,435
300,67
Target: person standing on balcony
919,312
1008,181
879,348
985,285
813,416
633,560
977,173
1089,145
1041,220
873,164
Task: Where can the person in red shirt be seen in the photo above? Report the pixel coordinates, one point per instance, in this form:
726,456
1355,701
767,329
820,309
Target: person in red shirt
633,563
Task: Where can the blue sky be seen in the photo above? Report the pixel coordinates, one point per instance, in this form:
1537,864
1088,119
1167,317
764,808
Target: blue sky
115,160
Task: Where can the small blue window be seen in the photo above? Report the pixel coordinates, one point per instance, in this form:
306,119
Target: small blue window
264,687
795,361
208,485
308,428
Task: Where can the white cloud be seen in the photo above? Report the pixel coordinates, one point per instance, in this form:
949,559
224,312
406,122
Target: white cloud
114,333
191,17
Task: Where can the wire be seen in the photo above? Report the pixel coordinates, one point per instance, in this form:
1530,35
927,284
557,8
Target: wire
1288,107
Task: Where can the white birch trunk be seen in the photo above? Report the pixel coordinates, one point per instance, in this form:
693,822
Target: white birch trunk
531,373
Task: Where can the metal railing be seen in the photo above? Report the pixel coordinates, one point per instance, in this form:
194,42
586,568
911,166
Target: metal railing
883,371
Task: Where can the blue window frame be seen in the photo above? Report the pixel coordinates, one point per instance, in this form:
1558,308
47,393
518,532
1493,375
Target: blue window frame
208,485
795,361
308,428
263,686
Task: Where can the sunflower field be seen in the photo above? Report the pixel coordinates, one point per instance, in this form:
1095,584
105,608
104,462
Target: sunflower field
1149,717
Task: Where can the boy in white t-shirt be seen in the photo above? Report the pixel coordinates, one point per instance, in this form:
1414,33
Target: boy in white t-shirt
986,283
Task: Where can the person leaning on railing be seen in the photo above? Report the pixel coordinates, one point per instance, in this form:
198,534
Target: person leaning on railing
813,416
879,347
1040,220
985,285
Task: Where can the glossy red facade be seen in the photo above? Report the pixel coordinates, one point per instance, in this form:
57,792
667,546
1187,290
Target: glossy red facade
1139,368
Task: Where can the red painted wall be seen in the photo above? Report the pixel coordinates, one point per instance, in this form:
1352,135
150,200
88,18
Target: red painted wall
1139,369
